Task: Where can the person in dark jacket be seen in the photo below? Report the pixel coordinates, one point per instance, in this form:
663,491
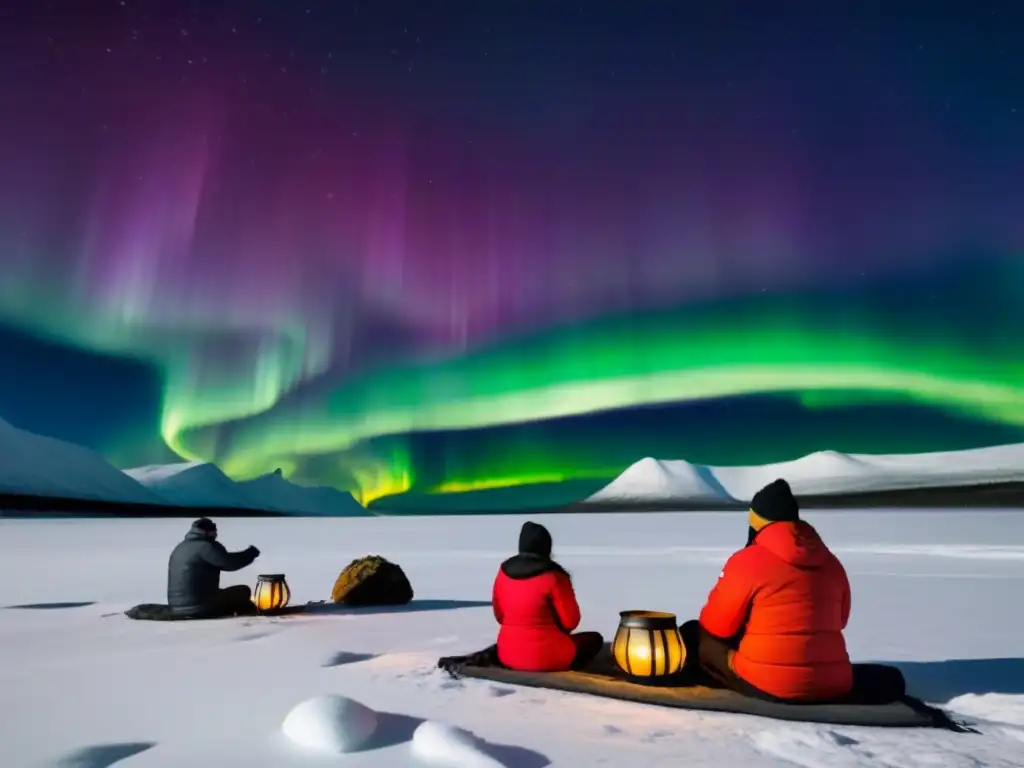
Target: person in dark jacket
535,605
193,575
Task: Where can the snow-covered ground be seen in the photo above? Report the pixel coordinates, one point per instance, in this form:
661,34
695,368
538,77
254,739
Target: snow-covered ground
938,592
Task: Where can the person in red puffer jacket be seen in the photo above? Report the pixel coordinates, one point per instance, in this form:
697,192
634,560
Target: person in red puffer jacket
535,604
773,625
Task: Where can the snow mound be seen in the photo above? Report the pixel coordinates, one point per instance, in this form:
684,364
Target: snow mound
287,496
330,723
195,484
995,707
446,746
654,480
35,465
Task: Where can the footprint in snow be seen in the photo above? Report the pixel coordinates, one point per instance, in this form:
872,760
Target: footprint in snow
253,636
840,740
656,735
499,692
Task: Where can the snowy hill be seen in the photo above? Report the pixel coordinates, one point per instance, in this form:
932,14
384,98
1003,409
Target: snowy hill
652,481
996,464
829,473
35,465
822,474
273,490
196,484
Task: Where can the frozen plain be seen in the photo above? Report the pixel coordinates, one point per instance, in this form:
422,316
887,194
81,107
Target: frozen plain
81,685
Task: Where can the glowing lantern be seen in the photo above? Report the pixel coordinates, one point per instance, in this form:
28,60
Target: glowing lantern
272,593
648,646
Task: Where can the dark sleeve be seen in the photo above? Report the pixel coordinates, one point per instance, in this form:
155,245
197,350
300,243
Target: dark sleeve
215,554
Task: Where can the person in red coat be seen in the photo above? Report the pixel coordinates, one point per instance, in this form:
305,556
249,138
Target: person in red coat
535,605
773,624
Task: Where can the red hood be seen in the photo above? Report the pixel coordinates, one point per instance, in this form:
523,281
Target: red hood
794,543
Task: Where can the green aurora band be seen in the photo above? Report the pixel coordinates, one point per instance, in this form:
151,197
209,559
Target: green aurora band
883,344
826,349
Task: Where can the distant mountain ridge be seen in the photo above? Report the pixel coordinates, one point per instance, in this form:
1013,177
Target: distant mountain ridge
296,499
821,475
44,466
201,484
40,473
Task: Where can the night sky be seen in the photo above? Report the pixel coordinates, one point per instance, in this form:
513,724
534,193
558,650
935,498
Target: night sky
430,247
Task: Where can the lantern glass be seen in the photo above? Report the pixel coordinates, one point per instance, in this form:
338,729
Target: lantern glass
272,592
648,645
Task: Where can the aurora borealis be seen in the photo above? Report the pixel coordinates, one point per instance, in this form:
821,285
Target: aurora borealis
404,250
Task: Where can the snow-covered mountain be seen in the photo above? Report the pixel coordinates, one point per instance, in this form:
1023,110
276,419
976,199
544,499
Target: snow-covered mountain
195,484
820,473
828,473
825,473
653,480
35,465
198,484
272,489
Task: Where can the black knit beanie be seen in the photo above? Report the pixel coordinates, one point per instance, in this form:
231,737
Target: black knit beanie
776,503
534,539
205,524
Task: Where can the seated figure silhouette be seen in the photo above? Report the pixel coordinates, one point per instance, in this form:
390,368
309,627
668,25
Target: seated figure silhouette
193,575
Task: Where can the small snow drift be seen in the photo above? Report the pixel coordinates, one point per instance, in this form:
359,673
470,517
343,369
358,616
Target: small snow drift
330,723
653,481
195,484
449,747
35,465
287,496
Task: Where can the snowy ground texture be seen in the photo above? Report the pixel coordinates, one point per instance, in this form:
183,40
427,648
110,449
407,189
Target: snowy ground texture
81,685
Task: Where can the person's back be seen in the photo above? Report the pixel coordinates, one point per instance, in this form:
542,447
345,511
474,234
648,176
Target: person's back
535,605
193,573
788,597
191,580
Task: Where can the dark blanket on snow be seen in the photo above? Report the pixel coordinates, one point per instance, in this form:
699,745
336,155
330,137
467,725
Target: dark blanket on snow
162,612
603,678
